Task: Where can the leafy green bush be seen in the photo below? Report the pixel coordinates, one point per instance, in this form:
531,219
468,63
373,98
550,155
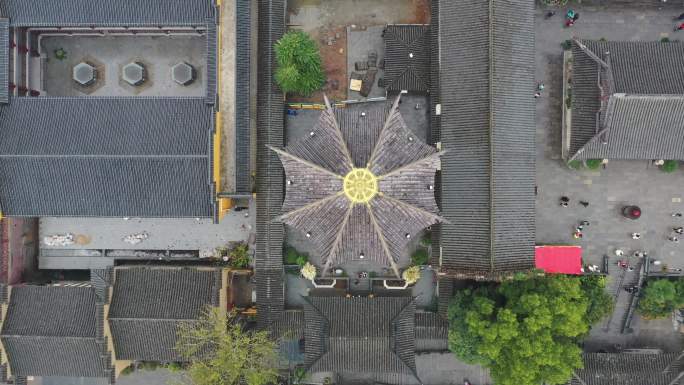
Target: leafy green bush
566,45
664,40
302,260
426,241
670,165
575,164
127,370
290,255
174,367
661,297
568,99
419,257
299,64
593,164
239,256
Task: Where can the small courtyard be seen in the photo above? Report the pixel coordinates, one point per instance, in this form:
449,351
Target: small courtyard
611,187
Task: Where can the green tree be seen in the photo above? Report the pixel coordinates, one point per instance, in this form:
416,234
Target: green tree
670,165
600,303
527,330
660,298
299,64
221,352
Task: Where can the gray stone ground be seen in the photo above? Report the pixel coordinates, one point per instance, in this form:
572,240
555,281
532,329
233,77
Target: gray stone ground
359,43
158,53
606,190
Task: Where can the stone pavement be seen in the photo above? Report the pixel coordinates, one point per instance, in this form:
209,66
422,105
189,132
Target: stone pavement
608,189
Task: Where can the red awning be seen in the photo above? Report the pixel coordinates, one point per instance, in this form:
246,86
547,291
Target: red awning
559,259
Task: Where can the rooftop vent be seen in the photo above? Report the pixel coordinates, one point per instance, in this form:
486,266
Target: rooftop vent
134,73
183,73
84,74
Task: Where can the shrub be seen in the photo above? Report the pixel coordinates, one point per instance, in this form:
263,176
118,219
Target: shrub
593,164
174,367
308,271
568,99
290,255
239,256
567,44
419,257
302,259
299,64
670,165
664,40
127,370
426,241
575,164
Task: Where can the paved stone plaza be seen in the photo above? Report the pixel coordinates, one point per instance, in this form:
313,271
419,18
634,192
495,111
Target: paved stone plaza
607,190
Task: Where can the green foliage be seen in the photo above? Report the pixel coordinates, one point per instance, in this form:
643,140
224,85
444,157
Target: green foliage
174,367
566,44
575,164
600,303
568,98
593,164
239,256
60,54
426,241
299,374
664,39
661,297
221,352
302,260
527,330
603,39
299,64
294,257
670,165
419,257
127,370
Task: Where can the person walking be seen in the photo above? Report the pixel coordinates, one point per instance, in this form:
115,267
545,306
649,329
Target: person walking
673,239
636,235
679,27
678,230
619,252
584,203
680,17
676,215
564,201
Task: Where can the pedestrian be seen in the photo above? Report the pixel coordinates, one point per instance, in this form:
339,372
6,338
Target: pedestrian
564,201
678,230
584,203
681,17
636,235
577,234
679,27
537,95
656,262
575,17
677,215
540,86
549,14
569,22
619,253
584,223
639,254
673,239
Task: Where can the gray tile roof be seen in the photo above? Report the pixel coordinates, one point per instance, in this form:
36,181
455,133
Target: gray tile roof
407,57
212,55
431,332
269,181
638,114
243,95
360,335
149,302
107,13
4,60
628,369
80,156
53,331
488,131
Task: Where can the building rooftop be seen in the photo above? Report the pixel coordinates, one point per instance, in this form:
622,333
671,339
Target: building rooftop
407,57
353,179
627,101
629,368
488,132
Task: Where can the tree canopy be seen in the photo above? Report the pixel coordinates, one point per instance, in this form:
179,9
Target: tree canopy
661,297
222,352
299,64
527,330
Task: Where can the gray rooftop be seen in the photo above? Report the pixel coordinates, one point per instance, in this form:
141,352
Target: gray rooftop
4,60
637,112
361,336
66,13
80,156
629,369
488,130
407,57
148,303
53,331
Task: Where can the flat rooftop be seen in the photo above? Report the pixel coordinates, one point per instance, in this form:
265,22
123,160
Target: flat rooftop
109,54
173,234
